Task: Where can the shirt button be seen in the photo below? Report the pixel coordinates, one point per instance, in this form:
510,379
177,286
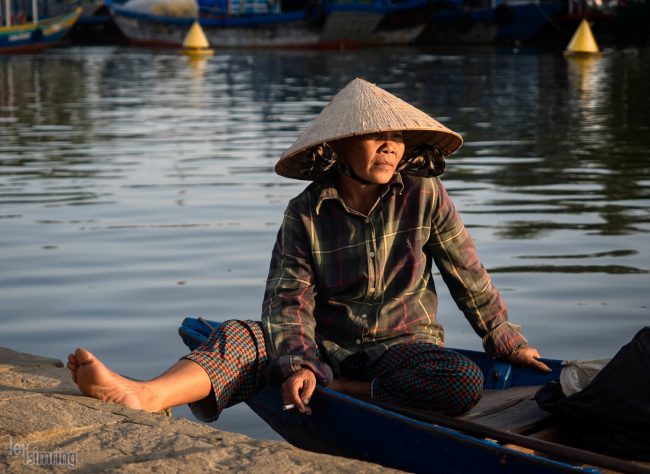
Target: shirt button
367,221
364,316
372,290
372,254
358,341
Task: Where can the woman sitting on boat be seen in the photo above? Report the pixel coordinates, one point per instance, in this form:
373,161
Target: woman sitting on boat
350,301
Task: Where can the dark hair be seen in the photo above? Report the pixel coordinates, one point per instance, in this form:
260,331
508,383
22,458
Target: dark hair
424,160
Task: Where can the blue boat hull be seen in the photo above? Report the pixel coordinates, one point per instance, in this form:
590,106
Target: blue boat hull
346,426
270,30
451,23
95,26
33,38
333,25
527,21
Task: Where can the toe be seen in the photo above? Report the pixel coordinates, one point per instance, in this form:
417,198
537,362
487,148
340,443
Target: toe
73,371
83,356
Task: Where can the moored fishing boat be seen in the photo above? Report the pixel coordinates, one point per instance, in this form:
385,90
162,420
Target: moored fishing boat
613,22
95,25
377,22
505,432
350,23
36,35
270,29
403,23
311,24
484,22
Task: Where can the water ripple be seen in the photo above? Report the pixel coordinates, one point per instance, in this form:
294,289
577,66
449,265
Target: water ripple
137,187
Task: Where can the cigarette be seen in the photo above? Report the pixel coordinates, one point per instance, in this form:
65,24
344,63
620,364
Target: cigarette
290,406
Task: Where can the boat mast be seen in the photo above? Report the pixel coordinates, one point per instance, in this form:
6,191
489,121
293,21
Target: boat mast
34,11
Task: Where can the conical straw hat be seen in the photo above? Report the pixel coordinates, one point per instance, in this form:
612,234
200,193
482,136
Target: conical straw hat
361,108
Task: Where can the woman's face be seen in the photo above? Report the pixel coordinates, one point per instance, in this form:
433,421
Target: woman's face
373,157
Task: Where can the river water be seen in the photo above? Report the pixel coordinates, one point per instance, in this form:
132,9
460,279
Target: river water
137,187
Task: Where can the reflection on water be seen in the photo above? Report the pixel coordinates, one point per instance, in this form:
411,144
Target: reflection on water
138,187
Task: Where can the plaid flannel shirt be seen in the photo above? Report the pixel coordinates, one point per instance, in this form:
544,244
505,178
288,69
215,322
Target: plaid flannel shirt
341,283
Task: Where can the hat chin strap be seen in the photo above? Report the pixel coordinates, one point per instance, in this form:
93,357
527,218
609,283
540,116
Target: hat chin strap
347,170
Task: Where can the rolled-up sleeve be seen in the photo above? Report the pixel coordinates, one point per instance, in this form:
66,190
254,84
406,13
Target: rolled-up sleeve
455,255
288,307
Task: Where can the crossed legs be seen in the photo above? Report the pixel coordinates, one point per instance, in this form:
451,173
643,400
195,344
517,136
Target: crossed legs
229,368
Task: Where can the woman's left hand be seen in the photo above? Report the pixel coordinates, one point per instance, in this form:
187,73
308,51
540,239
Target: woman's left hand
298,388
528,356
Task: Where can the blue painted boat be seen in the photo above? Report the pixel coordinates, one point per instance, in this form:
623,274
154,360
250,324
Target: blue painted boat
95,25
248,30
504,433
35,36
376,22
331,23
481,22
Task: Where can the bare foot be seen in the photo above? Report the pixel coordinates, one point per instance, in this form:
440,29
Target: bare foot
98,381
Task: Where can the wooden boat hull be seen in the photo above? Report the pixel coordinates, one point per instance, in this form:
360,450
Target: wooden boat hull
349,26
31,38
337,26
95,26
365,431
282,30
347,426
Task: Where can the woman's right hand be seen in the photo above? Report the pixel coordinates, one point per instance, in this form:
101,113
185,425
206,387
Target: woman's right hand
298,388
528,356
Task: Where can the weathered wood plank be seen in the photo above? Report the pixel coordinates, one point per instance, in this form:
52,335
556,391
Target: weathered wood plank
521,418
512,410
494,401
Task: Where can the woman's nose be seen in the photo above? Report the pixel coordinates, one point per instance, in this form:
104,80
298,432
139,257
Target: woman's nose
387,146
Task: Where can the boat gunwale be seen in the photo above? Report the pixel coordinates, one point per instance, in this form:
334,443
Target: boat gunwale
240,20
48,22
52,29
454,433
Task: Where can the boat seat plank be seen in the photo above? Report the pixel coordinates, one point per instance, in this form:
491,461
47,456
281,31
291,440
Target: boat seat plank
521,418
494,401
512,410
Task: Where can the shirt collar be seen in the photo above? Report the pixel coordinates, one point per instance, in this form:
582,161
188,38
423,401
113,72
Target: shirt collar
328,188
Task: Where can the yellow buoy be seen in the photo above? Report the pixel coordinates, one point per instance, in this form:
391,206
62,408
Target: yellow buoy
583,41
195,42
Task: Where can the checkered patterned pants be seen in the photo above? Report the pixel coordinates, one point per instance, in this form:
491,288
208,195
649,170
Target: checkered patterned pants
418,375
425,376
